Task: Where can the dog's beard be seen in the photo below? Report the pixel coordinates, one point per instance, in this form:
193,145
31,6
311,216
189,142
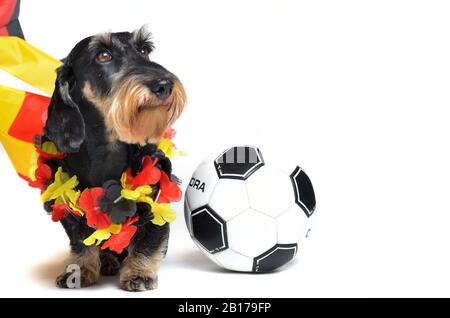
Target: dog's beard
137,116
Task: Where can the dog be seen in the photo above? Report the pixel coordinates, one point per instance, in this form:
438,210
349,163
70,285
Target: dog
112,103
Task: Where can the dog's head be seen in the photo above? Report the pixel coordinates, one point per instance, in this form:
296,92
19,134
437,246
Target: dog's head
137,98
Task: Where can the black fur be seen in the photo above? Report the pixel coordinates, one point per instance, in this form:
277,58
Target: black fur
77,127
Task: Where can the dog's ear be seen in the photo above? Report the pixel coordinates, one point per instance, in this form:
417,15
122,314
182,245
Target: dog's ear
65,124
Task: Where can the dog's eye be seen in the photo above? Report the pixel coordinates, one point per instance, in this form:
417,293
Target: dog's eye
144,51
104,57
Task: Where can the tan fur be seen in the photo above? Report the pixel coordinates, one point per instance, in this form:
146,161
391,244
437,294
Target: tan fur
89,263
133,114
137,265
102,104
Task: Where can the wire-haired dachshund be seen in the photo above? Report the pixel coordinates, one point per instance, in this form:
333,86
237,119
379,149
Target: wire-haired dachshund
110,107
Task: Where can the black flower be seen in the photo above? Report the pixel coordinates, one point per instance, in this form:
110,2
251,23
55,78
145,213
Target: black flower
119,208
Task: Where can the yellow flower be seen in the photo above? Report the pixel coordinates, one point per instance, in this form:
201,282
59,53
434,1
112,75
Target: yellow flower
168,148
73,197
162,213
100,235
33,165
135,194
76,207
62,187
49,147
145,199
123,180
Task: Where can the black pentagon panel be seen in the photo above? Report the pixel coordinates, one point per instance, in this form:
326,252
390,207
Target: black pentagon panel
238,162
277,256
209,229
304,191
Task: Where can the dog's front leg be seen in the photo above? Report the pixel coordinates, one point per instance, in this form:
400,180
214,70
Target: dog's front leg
83,267
148,248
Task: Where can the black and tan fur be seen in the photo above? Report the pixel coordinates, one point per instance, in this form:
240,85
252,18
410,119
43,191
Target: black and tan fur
111,104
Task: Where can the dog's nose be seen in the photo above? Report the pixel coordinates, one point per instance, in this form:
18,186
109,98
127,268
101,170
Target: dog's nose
162,88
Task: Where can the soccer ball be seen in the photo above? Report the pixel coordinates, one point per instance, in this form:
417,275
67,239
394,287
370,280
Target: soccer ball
245,215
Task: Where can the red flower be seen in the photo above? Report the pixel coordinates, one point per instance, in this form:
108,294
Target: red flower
46,155
169,190
43,174
170,133
147,176
118,242
94,215
58,211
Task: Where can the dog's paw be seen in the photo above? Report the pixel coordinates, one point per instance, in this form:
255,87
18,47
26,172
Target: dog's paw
139,283
77,279
110,264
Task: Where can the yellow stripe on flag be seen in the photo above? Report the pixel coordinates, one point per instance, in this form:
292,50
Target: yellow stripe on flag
28,63
19,152
11,100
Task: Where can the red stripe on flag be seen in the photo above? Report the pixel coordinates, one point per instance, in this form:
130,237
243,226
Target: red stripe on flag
6,11
27,179
4,31
31,118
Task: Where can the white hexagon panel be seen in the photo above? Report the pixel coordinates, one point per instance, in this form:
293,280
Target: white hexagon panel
229,198
201,185
270,191
251,233
291,225
234,261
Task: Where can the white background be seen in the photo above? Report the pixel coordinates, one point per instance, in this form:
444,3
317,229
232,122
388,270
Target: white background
356,92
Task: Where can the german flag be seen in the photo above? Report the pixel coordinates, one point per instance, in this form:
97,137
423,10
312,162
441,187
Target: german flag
23,114
9,18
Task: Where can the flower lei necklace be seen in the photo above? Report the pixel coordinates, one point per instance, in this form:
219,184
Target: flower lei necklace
109,210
